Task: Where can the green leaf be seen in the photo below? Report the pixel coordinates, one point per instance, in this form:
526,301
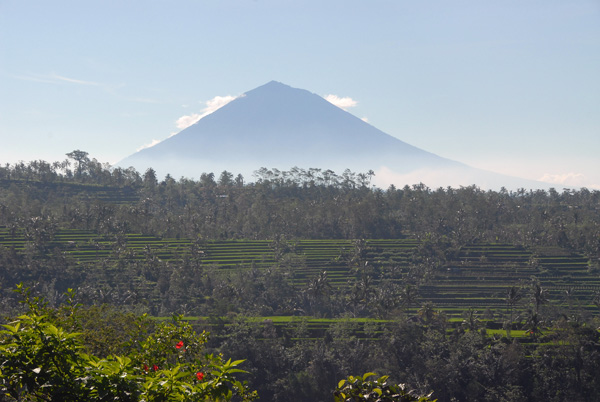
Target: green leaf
13,329
367,375
236,371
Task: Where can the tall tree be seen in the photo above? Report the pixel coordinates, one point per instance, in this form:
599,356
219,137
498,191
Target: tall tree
81,157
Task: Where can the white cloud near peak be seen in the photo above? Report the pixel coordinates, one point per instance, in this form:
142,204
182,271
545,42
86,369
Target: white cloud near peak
343,103
217,102
150,145
187,120
211,105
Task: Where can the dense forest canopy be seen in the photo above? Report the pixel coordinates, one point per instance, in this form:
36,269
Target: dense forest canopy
354,268
300,203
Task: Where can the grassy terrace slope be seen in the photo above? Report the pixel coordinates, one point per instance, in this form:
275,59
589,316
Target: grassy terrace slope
478,277
482,273
308,257
73,191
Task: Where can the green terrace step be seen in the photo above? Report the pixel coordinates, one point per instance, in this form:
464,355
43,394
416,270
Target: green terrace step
117,195
478,278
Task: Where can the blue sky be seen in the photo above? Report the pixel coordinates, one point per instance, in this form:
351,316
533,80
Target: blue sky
510,86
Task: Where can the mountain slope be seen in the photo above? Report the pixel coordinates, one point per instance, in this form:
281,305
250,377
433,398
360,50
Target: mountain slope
277,126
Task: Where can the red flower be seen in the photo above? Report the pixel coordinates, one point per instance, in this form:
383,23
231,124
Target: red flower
179,345
199,376
145,367
154,367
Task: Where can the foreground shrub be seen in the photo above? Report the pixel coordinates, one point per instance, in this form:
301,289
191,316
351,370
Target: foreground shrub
41,360
360,389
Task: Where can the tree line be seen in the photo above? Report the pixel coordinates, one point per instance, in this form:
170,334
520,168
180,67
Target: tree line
300,203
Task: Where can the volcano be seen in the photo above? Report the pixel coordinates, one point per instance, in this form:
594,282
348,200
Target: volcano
277,126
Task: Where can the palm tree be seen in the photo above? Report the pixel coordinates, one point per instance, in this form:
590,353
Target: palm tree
318,290
539,295
513,295
534,324
427,312
409,296
470,321
568,296
596,299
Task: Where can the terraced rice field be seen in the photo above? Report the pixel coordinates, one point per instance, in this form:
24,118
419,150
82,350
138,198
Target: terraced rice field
76,191
481,275
86,246
478,278
315,256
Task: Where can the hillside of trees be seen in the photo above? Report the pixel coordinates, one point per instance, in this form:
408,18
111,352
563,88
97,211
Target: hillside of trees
131,243
314,203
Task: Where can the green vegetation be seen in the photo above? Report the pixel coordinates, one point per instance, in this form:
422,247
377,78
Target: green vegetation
361,389
43,359
311,276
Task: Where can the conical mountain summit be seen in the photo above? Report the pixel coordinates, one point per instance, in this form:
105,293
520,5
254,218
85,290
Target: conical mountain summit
277,126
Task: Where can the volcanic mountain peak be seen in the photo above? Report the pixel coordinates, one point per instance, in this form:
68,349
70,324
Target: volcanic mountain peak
272,88
277,126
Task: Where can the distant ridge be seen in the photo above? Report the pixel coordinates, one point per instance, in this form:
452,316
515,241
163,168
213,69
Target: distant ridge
277,126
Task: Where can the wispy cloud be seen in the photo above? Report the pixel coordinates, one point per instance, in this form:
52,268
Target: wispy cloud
211,105
35,78
58,79
74,81
55,79
150,145
343,103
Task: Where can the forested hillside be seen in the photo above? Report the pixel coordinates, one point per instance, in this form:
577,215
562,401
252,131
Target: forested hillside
314,275
314,203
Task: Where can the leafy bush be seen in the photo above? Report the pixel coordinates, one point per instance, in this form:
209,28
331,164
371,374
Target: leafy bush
41,360
359,389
